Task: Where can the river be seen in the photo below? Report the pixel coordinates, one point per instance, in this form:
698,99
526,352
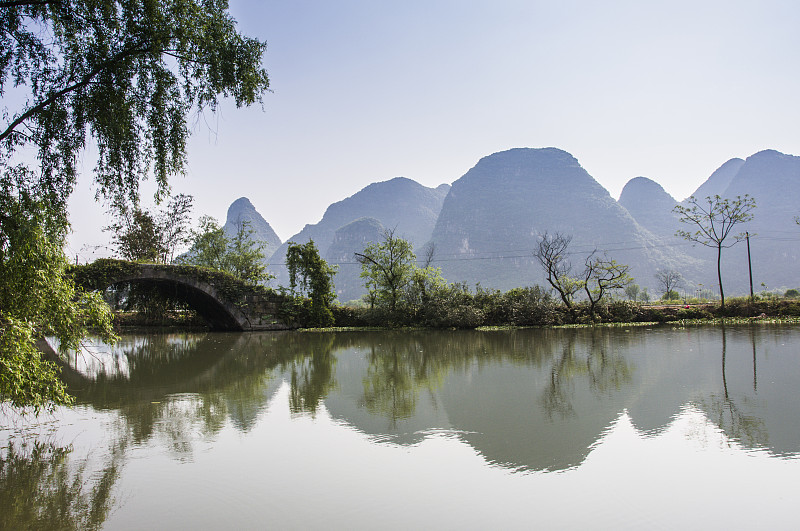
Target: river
627,427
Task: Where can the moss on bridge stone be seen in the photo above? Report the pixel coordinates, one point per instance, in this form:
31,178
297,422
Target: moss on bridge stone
260,307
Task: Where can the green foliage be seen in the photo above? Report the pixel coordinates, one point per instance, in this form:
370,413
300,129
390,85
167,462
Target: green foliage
529,306
128,74
387,267
209,245
313,276
245,257
240,256
644,296
632,292
153,237
138,237
694,312
792,293
36,299
445,306
425,286
106,271
42,488
671,295
622,312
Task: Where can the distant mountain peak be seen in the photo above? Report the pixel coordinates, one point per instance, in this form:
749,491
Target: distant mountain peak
240,204
719,181
650,205
643,187
543,157
243,210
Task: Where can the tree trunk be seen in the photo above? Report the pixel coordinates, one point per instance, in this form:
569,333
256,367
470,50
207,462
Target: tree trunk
719,276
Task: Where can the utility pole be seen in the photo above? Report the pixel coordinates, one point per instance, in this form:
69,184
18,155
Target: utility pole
749,265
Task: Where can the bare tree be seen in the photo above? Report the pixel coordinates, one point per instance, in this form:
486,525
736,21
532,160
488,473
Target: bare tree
552,254
714,219
601,275
428,252
668,280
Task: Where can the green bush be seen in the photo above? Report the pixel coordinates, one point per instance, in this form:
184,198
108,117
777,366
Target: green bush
621,312
693,313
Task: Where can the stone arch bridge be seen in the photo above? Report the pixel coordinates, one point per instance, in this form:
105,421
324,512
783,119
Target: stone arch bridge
225,302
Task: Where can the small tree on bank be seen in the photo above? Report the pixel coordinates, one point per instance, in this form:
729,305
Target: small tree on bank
552,255
600,274
313,275
144,235
387,267
714,218
668,280
241,256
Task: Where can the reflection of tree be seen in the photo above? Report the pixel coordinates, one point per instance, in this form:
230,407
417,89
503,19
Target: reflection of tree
391,383
605,372
312,376
749,429
181,384
42,487
175,385
556,398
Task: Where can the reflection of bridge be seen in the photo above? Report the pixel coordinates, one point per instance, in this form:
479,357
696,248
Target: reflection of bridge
225,302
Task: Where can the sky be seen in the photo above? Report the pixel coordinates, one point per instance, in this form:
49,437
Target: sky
367,90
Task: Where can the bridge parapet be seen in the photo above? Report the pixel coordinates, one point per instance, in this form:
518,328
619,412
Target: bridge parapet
226,302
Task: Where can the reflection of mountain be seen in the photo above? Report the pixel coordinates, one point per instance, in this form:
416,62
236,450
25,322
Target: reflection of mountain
539,399
532,399
494,389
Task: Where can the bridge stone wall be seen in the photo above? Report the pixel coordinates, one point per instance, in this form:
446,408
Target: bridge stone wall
225,302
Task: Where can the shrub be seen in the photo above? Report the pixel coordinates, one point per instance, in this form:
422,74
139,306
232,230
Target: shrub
621,312
693,313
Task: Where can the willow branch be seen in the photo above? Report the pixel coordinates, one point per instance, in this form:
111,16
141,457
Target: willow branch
85,80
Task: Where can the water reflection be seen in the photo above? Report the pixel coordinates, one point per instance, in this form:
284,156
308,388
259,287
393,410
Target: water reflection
735,414
204,422
42,486
524,399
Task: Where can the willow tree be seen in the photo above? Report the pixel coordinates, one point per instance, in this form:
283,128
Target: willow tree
127,74
712,221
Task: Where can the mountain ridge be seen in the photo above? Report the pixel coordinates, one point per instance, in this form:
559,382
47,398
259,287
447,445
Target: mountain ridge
485,226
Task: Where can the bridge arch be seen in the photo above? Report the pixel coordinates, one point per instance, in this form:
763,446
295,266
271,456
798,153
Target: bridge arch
223,301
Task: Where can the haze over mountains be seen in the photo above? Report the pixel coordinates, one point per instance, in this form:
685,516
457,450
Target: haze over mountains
241,212
485,226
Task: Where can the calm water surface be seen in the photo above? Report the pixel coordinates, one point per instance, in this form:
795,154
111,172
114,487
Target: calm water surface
691,428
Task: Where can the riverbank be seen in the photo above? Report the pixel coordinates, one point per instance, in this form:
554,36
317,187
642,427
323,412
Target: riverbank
476,312
518,314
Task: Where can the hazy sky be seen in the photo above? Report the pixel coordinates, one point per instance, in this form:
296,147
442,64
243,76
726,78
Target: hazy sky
365,91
